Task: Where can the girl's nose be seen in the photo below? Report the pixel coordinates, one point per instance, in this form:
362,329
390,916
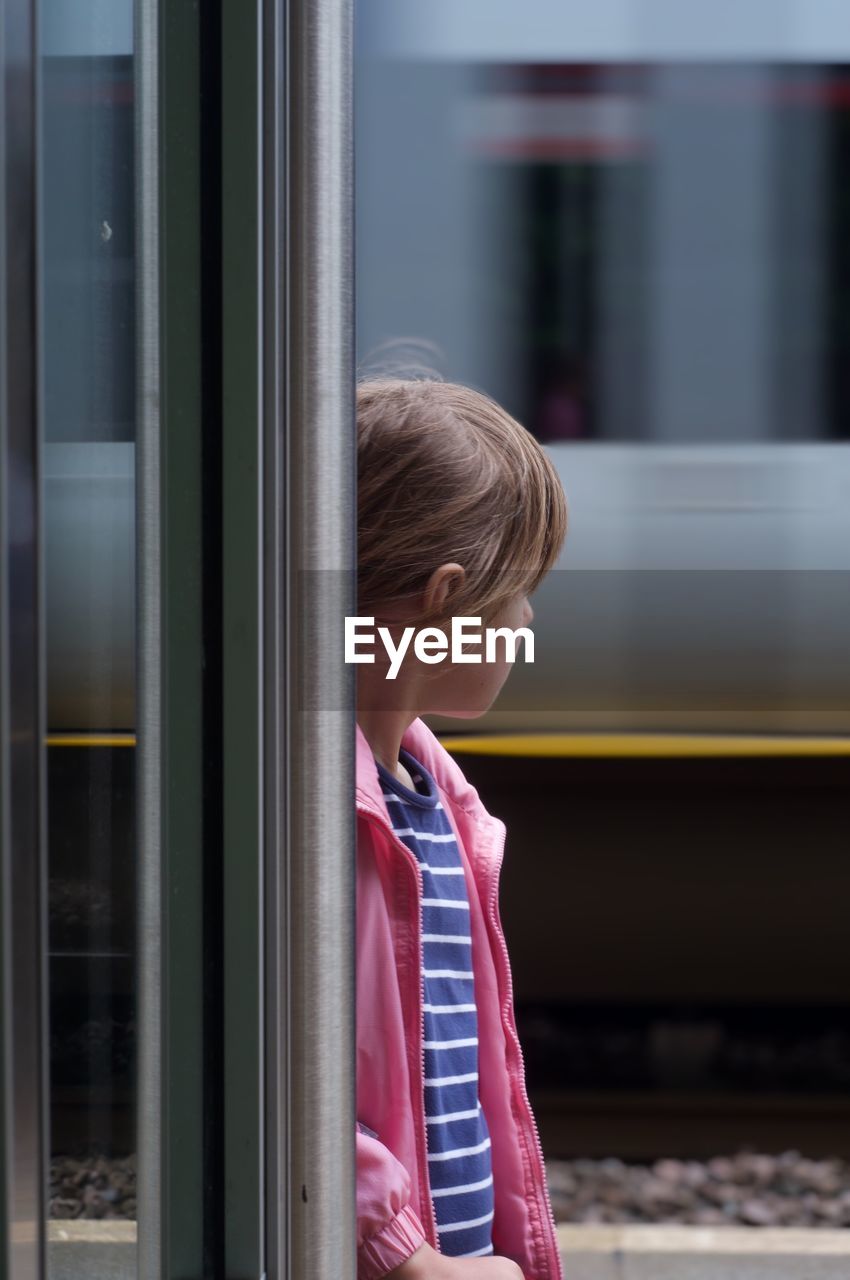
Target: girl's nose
528,616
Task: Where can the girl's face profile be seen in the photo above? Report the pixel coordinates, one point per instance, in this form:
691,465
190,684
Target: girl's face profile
467,691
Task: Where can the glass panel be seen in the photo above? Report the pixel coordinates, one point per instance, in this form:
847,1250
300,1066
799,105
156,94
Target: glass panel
22,887
89,392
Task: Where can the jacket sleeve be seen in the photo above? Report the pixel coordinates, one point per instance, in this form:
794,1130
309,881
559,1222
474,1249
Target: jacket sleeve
388,1231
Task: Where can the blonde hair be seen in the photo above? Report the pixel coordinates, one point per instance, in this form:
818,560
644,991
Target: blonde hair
445,474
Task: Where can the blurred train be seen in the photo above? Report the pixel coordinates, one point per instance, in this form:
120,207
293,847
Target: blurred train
630,224
701,588
639,244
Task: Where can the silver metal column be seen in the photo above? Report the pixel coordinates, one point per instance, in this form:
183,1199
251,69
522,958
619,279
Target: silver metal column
310,446
22,878
148,647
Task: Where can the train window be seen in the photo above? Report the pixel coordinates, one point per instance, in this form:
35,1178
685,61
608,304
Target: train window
88,339
619,249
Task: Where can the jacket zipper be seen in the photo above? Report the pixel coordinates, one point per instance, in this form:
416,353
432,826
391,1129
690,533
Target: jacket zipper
542,1189
375,818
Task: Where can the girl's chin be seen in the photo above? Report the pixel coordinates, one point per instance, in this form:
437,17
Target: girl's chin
465,713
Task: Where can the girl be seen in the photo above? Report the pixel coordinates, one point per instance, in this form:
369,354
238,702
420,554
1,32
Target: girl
460,514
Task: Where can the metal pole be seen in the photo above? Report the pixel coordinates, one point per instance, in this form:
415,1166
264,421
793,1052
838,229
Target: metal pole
148,644
313,1082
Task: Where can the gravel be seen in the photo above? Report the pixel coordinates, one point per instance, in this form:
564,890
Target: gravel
746,1189
93,1187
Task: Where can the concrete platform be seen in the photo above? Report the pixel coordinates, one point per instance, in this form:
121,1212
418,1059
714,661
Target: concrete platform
85,1249
89,1250
703,1253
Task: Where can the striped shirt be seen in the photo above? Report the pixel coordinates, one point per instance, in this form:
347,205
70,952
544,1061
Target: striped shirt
459,1161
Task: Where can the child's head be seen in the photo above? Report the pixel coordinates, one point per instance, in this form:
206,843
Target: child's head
460,513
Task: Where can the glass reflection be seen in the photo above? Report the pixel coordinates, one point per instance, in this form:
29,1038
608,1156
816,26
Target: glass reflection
88,367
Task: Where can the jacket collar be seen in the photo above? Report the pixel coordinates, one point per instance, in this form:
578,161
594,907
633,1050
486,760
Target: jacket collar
484,848
424,747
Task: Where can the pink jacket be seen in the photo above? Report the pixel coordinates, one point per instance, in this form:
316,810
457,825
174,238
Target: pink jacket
394,1210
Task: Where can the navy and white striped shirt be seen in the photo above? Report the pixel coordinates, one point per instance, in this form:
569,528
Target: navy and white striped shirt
459,1161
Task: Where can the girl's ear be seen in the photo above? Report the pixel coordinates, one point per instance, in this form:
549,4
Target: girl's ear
441,586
